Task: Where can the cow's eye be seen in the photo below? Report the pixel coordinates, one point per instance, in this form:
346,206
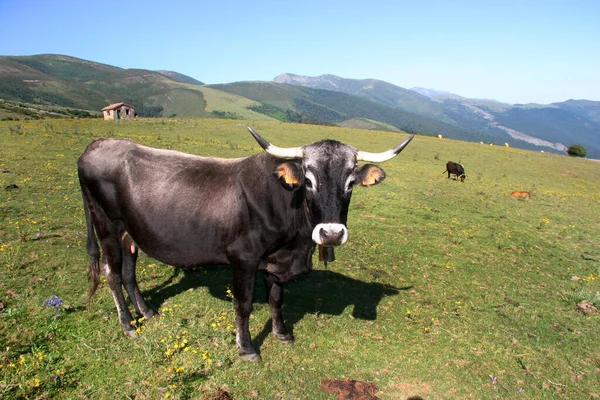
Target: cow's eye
308,183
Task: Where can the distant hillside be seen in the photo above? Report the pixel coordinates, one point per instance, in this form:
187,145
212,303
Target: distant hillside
12,111
63,81
32,80
338,108
176,76
44,86
77,83
433,94
57,80
374,90
584,108
551,127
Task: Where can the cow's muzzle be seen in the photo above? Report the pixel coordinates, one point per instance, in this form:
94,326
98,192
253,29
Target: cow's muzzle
330,234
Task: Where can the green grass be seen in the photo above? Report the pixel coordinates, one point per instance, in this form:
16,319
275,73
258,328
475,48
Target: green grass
441,285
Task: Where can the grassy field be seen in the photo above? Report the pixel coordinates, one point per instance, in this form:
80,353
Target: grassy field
444,290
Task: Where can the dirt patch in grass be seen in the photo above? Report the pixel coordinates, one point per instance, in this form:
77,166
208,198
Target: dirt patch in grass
350,389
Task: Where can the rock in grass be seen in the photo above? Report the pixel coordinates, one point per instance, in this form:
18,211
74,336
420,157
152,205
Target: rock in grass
587,307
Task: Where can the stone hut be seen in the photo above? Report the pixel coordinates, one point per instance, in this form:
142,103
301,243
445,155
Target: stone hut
119,111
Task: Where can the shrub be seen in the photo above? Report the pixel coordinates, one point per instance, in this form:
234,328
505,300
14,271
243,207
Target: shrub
577,150
18,129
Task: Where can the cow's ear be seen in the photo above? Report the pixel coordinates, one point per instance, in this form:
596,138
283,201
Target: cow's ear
289,175
370,174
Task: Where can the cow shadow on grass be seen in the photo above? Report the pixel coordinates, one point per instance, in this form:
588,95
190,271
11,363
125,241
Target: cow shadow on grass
319,292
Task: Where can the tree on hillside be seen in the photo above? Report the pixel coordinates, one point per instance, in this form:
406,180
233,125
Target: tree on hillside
577,150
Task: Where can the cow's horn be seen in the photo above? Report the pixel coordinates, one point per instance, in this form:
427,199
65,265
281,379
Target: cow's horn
289,152
386,155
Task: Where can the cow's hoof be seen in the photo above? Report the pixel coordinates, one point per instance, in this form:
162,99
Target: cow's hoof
131,334
251,357
151,315
286,338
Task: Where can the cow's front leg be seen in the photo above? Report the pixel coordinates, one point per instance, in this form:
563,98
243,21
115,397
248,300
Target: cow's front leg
243,286
274,291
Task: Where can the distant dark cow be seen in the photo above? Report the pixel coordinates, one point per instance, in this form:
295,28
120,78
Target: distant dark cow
456,169
267,211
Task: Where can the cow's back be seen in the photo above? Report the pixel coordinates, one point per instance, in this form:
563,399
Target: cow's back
179,208
102,156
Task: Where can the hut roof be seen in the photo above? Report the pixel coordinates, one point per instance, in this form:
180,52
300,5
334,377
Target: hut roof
117,105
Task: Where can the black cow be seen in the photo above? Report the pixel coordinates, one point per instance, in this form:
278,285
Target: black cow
267,211
456,169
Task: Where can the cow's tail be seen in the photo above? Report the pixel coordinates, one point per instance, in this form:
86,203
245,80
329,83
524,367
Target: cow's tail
92,249
445,171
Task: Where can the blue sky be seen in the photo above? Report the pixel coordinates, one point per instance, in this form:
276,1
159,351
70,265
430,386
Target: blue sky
512,51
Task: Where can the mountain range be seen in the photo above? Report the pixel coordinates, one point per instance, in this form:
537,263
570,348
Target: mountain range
60,80
551,127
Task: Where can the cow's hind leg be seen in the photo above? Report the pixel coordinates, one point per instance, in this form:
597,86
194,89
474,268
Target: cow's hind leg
100,226
111,265
274,291
129,253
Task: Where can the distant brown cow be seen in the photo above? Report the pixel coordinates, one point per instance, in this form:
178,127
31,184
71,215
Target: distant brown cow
522,195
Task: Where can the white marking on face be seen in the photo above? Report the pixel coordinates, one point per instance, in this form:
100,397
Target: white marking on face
310,177
331,232
349,183
106,269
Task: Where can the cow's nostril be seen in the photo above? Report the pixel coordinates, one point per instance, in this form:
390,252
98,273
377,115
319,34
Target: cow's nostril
323,234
